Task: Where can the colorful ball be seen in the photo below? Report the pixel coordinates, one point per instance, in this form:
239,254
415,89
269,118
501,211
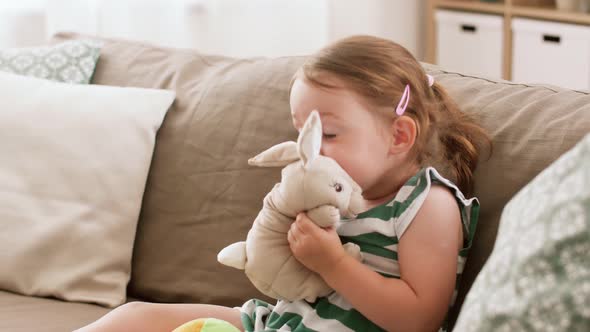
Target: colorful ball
206,325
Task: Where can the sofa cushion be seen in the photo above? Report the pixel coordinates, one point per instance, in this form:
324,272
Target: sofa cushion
538,275
201,193
74,161
20,313
70,62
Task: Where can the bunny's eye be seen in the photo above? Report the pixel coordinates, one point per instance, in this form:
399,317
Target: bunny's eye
338,187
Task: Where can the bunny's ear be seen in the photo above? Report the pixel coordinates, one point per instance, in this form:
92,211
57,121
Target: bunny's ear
279,155
310,138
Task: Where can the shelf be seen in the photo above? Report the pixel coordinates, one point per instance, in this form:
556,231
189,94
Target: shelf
479,7
509,9
551,14
542,12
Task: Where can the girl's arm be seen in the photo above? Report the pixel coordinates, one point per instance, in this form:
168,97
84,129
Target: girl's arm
427,254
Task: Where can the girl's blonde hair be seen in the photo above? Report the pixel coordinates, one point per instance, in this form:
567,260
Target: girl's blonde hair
378,70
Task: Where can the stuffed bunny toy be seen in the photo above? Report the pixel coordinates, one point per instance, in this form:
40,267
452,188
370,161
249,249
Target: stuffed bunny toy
312,183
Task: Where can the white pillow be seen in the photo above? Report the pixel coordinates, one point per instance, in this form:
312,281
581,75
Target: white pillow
73,166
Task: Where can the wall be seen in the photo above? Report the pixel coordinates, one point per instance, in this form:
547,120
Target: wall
22,23
259,27
231,27
398,20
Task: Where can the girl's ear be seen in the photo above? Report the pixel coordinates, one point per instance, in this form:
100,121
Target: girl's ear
403,134
279,155
309,141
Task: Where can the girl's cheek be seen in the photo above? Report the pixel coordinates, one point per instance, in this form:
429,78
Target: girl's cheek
327,150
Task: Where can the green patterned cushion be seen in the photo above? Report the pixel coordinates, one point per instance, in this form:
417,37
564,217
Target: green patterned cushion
538,275
69,62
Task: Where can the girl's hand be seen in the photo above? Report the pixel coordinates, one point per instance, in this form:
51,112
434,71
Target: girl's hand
315,247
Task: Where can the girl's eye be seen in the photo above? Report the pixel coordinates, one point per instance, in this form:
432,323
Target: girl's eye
328,136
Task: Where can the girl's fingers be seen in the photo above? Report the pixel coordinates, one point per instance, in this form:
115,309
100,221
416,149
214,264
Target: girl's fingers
290,237
295,230
304,223
299,225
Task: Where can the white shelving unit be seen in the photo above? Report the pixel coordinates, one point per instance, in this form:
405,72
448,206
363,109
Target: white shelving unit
543,11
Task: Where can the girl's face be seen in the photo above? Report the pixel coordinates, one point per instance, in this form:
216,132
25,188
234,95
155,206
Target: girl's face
353,136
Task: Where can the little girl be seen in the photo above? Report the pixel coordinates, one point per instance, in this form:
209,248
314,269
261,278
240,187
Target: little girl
395,131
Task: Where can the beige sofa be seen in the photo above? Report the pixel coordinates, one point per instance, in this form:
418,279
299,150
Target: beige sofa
201,195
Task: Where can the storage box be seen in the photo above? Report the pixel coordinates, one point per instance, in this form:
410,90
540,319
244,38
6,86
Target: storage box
552,53
469,43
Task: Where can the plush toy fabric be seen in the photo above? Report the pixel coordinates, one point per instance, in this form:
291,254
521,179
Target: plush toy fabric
310,182
206,325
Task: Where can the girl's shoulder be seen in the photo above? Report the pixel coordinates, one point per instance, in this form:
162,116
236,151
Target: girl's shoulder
428,176
393,218
415,191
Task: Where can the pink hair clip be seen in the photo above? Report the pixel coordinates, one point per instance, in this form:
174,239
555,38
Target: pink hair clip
403,102
430,80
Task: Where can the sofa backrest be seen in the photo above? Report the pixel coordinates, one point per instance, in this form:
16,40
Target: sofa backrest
201,195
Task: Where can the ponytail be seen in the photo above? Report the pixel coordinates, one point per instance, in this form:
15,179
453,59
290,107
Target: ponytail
460,140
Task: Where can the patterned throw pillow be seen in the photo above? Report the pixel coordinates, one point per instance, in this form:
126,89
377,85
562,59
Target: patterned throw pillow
538,275
69,62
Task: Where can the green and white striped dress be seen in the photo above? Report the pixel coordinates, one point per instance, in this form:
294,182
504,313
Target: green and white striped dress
377,232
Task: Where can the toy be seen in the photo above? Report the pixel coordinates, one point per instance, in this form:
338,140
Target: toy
310,182
206,325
